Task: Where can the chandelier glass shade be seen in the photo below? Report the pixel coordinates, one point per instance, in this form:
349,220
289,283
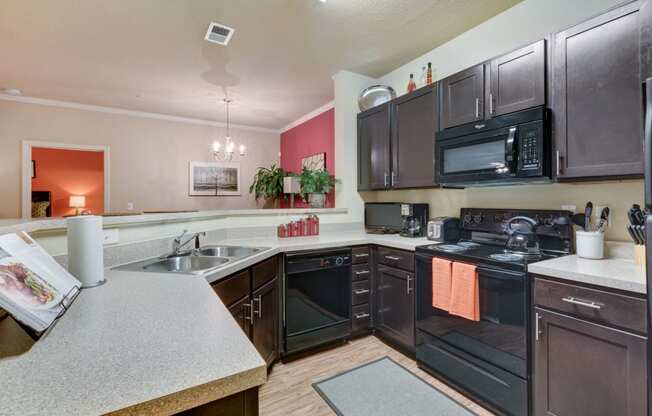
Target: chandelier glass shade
226,151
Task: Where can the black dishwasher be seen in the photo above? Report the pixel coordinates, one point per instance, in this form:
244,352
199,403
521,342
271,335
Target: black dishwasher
317,298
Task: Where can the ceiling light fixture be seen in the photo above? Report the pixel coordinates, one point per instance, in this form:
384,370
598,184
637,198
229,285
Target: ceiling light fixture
225,153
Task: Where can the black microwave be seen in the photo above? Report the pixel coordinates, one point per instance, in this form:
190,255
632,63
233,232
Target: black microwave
510,149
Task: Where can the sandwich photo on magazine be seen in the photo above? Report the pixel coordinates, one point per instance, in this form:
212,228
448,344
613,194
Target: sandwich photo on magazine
34,288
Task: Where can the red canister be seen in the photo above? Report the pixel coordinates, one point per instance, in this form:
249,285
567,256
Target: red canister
281,231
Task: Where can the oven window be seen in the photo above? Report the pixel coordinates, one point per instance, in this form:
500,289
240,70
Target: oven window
483,156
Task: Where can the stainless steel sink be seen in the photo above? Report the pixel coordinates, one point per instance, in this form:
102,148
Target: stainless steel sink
228,251
185,264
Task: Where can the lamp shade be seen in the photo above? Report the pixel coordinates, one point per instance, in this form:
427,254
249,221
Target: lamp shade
77,201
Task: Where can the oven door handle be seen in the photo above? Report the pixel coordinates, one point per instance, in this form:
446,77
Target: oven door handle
510,156
500,274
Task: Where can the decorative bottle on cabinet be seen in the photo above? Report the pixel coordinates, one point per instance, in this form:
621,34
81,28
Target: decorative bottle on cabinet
429,74
422,78
411,85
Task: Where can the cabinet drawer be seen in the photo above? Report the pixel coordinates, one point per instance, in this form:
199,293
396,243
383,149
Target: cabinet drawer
592,304
360,254
360,292
361,317
361,272
396,258
232,288
264,272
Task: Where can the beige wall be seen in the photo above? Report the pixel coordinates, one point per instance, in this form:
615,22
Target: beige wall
618,196
149,157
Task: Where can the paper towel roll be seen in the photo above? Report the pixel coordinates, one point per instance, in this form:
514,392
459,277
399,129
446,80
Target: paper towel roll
86,249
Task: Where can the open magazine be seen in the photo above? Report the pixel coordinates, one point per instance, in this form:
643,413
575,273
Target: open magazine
34,288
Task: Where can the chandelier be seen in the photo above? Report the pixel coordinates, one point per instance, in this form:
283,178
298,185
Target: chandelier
225,152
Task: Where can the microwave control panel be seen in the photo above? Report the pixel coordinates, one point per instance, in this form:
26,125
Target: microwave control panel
530,149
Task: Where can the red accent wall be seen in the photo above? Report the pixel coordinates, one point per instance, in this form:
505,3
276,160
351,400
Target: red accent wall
70,172
316,135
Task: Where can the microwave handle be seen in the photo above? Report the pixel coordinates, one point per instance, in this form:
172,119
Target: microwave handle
509,149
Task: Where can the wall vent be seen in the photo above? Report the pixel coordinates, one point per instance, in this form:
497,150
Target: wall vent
218,33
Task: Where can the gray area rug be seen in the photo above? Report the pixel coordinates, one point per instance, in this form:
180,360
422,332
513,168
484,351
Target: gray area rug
385,388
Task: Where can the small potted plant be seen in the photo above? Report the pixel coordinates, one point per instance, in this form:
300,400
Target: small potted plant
315,184
268,184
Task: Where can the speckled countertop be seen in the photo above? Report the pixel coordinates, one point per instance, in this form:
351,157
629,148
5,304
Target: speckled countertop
614,273
150,344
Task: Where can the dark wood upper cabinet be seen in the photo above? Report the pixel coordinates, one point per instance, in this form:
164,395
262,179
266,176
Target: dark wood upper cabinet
373,148
265,321
463,97
517,80
581,368
646,39
395,305
597,99
414,123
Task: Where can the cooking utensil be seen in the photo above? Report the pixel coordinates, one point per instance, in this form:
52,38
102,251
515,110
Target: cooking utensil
640,231
579,220
522,235
632,234
375,95
604,219
588,211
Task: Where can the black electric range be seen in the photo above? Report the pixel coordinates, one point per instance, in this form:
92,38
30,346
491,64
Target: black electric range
489,359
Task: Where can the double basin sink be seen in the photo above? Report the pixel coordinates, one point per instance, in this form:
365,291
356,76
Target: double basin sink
198,261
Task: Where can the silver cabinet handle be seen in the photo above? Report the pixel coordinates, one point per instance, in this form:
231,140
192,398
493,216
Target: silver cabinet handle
361,291
581,302
361,315
393,178
393,258
259,312
537,331
477,108
362,272
386,178
250,317
409,284
491,103
558,155
357,256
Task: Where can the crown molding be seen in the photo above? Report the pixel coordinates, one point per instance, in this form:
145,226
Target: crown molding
314,113
130,113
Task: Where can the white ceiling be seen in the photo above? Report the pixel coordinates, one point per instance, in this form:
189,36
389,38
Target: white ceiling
149,55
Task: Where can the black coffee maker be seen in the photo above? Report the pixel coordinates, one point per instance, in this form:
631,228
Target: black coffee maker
415,220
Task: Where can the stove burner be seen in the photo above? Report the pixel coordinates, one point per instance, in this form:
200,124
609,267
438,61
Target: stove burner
451,248
468,244
526,255
507,257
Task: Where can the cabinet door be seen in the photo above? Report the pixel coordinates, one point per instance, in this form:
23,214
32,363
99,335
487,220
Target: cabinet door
462,97
517,80
646,39
582,368
373,148
265,321
597,100
241,311
413,139
395,305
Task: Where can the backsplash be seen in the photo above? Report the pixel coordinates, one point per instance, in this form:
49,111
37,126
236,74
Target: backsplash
617,195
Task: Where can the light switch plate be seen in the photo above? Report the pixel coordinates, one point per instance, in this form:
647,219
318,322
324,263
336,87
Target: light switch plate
112,236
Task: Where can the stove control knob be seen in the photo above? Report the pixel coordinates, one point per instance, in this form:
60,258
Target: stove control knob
478,218
468,219
339,261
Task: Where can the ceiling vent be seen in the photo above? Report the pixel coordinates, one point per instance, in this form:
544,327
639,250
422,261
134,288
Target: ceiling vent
218,33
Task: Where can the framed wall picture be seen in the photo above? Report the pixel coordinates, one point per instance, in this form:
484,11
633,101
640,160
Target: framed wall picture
214,179
314,162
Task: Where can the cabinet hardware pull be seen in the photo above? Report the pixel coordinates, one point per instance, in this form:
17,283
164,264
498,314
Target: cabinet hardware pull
580,302
362,272
558,155
393,258
361,315
409,284
386,178
259,312
491,103
537,331
250,306
393,178
361,291
361,255
477,108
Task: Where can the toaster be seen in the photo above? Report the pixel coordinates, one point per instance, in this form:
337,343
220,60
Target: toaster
444,229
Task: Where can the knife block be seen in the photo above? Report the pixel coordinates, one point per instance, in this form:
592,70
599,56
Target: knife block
639,256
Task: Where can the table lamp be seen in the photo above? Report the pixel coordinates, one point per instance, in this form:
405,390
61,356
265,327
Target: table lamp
77,202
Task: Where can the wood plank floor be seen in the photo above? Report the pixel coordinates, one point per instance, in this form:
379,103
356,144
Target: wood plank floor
289,392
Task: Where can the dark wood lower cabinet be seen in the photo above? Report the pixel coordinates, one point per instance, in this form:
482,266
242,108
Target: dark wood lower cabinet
395,306
265,319
241,311
244,403
582,368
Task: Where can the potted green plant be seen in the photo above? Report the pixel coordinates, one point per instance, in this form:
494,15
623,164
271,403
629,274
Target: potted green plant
315,184
268,184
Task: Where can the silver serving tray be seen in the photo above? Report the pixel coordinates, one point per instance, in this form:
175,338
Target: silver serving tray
375,95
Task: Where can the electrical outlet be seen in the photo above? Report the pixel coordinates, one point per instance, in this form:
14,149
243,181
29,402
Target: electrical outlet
111,236
571,208
130,206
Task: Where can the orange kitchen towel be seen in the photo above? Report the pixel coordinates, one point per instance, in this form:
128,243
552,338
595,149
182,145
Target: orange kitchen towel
465,293
441,284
